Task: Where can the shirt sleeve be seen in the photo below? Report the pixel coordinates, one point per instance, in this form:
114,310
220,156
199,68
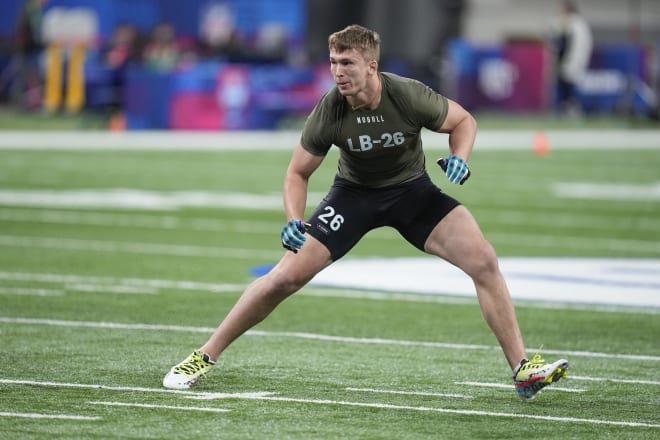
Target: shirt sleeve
430,108
421,105
317,133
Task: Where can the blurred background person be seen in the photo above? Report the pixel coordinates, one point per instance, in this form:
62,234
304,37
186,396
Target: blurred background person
123,50
161,52
219,37
270,46
28,48
573,43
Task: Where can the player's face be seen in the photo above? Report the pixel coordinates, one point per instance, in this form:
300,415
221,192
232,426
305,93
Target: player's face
349,70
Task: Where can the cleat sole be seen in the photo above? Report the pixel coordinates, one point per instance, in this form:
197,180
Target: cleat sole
529,390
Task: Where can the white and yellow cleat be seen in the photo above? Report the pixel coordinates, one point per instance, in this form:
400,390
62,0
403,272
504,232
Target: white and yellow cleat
190,371
531,376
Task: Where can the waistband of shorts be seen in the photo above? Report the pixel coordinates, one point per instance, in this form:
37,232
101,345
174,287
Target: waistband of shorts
345,183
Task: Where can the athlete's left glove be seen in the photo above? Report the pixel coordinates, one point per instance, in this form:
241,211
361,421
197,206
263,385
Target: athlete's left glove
293,235
456,169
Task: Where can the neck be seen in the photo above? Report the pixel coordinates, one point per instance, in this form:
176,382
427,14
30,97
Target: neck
372,96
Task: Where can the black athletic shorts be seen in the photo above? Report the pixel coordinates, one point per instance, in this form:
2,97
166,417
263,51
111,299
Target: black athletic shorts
349,211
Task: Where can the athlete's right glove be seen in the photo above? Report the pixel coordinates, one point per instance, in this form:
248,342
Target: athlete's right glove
293,235
456,169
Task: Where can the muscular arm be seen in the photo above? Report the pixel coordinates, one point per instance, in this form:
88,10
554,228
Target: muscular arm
301,167
462,129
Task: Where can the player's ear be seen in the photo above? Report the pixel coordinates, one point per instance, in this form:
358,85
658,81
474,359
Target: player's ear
373,66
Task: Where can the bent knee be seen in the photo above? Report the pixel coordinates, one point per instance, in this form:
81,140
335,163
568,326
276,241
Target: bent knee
483,261
285,282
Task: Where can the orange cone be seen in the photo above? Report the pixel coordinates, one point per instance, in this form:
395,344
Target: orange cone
541,144
118,122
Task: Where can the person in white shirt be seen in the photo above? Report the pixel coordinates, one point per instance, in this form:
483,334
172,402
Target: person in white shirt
574,44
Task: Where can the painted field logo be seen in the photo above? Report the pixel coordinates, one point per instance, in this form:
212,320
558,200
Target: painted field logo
584,281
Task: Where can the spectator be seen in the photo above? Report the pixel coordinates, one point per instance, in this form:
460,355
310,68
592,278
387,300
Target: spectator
218,36
161,52
271,44
123,47
573,45
123,50
28,48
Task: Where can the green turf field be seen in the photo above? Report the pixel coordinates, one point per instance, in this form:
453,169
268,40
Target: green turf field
114,265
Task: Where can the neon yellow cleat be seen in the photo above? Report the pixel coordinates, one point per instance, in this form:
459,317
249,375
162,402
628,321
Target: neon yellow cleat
190,371
530,377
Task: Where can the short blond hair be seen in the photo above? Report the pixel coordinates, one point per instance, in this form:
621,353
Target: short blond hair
356,37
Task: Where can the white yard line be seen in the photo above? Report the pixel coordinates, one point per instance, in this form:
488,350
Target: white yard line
561,220
104,288
313,337
409,393
608,191
141,200
48,416
499,215
537,241
30,292
607,379
99,387
499,140
463,412
267,397
534,241
70,244
176,408
376,295
154,221
510,386
127,284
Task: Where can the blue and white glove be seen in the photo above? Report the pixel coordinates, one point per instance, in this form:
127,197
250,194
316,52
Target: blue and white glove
293,235
456,169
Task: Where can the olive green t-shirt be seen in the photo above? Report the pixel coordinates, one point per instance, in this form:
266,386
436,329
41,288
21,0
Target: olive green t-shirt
380,147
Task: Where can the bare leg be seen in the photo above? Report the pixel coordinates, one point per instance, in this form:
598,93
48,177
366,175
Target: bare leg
262,296
458,239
